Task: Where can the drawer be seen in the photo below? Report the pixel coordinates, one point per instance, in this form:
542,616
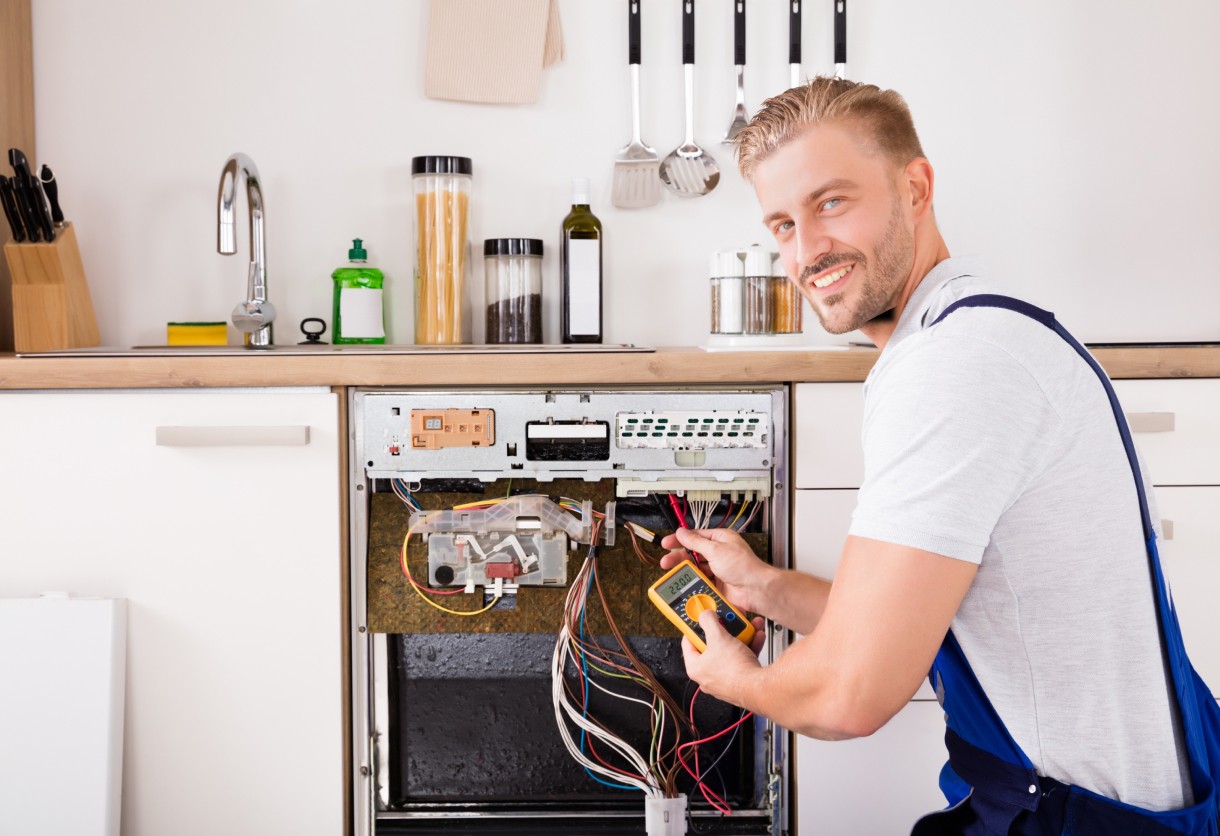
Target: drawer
826,427
1190,558
828,416
1176,426
820,522
837,781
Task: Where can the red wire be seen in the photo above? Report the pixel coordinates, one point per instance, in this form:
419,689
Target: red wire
710,796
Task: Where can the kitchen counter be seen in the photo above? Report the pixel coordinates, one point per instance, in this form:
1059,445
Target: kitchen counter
665,365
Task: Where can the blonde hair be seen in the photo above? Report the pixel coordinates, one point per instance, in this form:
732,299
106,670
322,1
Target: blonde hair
882,114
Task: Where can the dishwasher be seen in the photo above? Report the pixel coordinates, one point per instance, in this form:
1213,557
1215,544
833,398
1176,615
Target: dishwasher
509,673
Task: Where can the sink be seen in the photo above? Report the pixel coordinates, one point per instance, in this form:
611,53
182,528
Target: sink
314,349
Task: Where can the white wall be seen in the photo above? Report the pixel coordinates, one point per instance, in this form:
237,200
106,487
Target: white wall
1075,144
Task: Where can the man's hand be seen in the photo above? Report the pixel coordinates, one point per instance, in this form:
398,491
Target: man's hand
731,565
723,668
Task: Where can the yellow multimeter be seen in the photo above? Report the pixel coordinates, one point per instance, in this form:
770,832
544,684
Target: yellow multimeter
684,592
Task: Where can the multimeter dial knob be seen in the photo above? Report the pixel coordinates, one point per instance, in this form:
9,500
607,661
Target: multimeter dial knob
696,604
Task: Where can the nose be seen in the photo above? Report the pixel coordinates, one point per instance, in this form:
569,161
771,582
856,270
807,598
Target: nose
812,244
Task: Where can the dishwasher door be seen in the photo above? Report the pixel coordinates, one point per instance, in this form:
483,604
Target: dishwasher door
455,723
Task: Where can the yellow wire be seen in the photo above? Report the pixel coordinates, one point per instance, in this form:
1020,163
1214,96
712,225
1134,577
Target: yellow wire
739,512
406,568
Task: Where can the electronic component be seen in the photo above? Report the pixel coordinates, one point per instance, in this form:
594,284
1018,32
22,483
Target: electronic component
521,540
684,592
691,429
526,559
567,441
432,429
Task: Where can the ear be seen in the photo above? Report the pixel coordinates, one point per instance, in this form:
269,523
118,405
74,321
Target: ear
919,181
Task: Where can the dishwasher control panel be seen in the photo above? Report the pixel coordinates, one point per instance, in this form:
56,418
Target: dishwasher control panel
702,434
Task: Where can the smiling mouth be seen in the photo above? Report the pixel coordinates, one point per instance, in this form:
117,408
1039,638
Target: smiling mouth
832,277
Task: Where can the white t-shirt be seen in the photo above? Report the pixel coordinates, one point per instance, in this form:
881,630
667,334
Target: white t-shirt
988,439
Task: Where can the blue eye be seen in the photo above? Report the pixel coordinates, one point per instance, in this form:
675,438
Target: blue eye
833,203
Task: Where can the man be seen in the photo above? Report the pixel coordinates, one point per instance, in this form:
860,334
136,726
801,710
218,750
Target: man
997,500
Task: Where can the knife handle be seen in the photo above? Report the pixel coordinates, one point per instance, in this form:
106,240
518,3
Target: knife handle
41,211
16,158
840,31
688,31
633,31
794,31
739,32
25,206
10,210
51,188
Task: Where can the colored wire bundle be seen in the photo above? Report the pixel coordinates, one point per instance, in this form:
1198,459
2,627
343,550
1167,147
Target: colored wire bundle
606,757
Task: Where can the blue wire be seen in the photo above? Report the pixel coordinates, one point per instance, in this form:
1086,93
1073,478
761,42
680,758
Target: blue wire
584,662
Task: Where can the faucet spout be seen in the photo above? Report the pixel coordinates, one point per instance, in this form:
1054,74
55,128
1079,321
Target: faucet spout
253,317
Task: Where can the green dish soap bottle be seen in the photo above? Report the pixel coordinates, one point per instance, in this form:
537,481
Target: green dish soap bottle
359,316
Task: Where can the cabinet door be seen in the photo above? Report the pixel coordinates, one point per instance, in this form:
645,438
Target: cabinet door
820,522
1190,558
877,784
826,423
228,557
1175,424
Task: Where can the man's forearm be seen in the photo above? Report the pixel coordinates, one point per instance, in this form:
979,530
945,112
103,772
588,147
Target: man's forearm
795,600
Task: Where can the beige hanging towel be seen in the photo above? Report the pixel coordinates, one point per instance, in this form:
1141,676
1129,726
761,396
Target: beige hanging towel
491,51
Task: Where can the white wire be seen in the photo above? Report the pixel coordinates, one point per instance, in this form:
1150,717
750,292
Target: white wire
577,595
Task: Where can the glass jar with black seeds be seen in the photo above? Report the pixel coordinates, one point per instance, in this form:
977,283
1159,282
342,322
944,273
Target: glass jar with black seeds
512,269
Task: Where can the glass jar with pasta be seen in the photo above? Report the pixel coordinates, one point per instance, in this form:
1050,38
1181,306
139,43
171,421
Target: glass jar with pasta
442,215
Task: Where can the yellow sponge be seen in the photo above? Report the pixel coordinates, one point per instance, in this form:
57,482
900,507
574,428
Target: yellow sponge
197,333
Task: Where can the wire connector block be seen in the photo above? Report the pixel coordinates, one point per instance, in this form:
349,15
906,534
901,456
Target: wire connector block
665,816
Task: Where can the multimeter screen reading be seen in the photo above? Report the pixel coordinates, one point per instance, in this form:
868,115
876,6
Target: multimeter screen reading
674,586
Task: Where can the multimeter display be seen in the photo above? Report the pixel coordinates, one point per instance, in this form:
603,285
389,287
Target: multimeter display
683,593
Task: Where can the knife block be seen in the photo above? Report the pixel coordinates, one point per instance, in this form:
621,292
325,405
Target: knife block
52,308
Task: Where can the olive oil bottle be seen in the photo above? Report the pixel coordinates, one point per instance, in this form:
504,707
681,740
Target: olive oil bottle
580,264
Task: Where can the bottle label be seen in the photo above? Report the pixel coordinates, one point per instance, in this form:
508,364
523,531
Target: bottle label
360,313
584,286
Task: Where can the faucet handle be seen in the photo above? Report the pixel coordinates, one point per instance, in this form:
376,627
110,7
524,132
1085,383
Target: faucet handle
250,316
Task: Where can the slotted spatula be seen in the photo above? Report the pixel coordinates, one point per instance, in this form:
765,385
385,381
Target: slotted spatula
636,183
689,171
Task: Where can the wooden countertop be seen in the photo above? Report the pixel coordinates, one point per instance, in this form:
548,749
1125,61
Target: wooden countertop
665,365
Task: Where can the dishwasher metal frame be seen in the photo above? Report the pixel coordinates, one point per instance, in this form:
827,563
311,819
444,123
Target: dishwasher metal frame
368,461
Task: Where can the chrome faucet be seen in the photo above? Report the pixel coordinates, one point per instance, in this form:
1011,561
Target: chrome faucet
254,316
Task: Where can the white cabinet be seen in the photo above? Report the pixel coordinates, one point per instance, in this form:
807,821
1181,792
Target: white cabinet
229,557
1190,558
872,785
1176,425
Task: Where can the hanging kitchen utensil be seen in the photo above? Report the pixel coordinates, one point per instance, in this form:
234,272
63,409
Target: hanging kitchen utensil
840,38
636,182
689,170
739,61
794,41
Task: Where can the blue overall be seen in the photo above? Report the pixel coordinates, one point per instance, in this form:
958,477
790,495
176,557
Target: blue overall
991,785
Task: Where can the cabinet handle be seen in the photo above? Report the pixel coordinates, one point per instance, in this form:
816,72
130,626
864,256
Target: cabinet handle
232,436
1150,422
1166,529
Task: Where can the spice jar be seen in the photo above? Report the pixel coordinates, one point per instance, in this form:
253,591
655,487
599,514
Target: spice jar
512,270
785,302
728,281
442,214
757,263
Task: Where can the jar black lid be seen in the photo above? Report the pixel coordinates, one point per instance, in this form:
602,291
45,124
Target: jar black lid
512,246
441,165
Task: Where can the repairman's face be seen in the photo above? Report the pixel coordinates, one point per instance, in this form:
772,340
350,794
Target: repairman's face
835,209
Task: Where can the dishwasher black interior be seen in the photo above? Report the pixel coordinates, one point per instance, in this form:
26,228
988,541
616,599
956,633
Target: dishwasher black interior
455,726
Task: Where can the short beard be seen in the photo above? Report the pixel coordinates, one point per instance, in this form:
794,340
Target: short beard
893,258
